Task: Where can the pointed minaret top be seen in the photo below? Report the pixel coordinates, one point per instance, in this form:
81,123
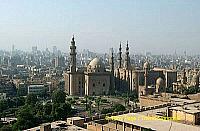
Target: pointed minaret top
73,38
120,45
127,48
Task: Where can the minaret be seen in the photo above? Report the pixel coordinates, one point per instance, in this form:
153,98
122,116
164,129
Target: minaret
112,78
184,78
146,69
120,56
127,58
73,56
112,63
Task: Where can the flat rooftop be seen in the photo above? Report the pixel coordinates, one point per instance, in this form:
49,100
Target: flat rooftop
75,118
154,123
182,101
190,108
55,126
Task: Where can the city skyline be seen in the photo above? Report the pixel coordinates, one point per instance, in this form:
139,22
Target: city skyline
149,26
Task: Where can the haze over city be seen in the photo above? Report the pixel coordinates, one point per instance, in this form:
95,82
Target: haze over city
155,26
99,65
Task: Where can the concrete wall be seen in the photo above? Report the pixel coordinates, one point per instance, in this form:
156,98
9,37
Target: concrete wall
183,116
144,101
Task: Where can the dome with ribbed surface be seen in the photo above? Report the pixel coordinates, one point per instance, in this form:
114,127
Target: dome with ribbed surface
96,65
96,62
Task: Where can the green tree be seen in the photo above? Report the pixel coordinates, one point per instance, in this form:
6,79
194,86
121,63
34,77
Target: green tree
6,128
118,107
47,108
61,110
31,99
3,105
98,100
25,118
90,106
86,102
58,96
105,111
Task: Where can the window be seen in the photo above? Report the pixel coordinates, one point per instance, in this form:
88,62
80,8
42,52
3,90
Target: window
93,84
104,84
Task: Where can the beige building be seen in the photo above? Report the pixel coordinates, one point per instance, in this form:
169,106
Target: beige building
186,78
187,113
95,80
77,121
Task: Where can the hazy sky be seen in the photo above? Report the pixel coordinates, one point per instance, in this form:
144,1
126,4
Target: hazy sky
158,26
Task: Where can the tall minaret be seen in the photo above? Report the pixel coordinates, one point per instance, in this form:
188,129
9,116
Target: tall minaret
112,79
73,56
127,58
184,78
112,63
146,69
120,56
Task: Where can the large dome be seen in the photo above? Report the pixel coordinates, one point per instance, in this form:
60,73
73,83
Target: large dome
96,62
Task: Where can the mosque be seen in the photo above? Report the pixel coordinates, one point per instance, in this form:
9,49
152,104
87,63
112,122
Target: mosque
121,77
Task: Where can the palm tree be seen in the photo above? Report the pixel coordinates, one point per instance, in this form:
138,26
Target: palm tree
90,106
86,102
98,102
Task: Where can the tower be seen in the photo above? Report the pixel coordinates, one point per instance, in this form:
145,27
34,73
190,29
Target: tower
112,88
127,58
112,63
73,56
146,69
184,78
120,56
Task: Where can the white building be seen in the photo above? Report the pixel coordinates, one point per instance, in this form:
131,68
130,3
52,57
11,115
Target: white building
36,89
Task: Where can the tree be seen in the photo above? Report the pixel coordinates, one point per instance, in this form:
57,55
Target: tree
47,108
3,105
6,128
31,99
106,111
58,96
98,100
61,110
118,107
86,102
90,106
25,119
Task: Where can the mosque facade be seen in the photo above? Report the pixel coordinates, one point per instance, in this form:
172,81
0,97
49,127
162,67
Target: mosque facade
121,77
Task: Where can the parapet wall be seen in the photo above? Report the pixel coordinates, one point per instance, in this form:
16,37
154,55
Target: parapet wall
147,101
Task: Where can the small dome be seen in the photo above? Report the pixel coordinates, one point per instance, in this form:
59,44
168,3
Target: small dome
96,63
146,65
159,81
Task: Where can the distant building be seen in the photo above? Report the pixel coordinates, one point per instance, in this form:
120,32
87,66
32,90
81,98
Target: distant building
56,126
187,113
95,80
77,121
37,89
7,87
